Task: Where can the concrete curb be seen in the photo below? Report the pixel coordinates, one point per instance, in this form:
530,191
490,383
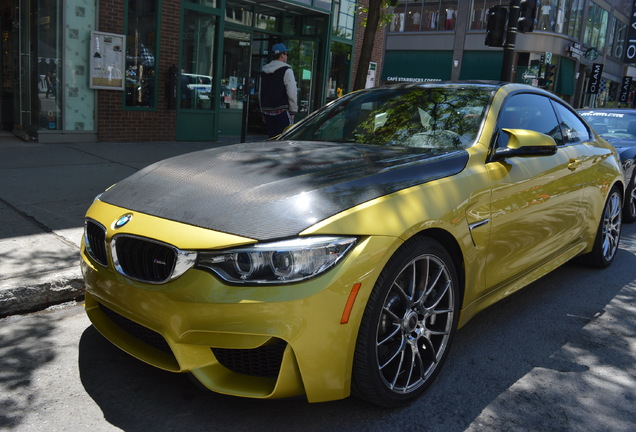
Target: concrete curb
43,291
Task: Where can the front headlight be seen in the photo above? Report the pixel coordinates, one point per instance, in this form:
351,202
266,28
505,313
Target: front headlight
279,262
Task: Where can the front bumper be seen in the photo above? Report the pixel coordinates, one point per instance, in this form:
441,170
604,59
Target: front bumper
260,342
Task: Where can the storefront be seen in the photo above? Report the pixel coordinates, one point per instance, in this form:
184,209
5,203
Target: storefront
248,37
44,86
190,69
445,39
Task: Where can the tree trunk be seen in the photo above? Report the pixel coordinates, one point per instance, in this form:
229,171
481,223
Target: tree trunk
373,20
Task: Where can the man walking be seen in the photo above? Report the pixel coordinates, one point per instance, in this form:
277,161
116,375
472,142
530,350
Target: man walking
278,92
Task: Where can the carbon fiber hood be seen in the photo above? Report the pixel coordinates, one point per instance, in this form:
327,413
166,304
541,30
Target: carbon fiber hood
275,189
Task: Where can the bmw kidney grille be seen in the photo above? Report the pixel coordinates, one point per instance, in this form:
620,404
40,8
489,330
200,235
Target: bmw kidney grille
95,235
143,259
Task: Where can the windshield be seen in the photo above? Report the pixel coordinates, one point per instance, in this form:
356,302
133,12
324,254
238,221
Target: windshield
445,118
612,124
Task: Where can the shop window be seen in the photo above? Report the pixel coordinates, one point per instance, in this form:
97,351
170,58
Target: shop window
312,26
237,14
559,15
397,23
59,97
617,34
413,16
290,24
50,95
197,61
596,26
552,15
141,54
338,82
237,49
267,22
546,16
344,18
575,18
424,15
323,4
207,3
479,12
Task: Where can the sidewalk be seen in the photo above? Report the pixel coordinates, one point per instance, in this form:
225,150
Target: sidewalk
45,189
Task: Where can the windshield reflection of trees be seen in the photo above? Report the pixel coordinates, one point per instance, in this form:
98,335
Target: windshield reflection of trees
431,118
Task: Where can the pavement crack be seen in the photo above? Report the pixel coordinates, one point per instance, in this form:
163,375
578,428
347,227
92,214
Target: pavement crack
105,158
38,224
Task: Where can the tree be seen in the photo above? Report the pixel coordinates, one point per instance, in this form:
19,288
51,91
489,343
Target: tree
377,15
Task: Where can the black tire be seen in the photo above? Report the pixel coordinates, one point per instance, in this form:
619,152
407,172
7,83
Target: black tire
408,325
608,234
629,207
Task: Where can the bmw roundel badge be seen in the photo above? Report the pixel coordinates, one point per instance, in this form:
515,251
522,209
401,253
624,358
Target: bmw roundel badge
123,220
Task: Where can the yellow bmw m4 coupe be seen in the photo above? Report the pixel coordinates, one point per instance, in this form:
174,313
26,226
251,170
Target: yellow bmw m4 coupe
342,257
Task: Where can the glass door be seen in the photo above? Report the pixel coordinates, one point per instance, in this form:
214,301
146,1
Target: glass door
235,80
302,59
9,66
196,94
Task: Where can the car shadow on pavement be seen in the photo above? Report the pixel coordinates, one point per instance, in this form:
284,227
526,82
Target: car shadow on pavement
502,346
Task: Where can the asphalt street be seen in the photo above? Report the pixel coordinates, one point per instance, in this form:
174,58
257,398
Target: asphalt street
560,355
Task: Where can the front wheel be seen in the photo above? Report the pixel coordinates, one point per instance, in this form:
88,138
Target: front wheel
608,234
407,326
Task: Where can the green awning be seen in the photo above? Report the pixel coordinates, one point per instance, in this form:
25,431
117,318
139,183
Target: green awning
414,66
566,79
481,65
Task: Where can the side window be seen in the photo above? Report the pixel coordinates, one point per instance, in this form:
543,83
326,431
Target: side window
574,130
528,111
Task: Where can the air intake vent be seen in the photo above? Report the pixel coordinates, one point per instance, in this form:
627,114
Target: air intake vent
263,361
95,239
142,333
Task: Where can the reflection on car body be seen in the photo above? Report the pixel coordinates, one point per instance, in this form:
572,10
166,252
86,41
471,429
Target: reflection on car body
342,257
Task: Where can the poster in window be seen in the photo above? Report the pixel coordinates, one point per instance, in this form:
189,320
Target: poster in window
107,61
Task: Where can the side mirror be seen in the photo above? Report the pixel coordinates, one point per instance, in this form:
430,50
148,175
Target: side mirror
526,143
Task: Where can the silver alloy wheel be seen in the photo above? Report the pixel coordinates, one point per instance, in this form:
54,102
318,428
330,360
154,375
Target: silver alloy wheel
416,324
612,226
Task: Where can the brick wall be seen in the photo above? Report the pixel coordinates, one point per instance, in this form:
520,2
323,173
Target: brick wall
114,123
378,46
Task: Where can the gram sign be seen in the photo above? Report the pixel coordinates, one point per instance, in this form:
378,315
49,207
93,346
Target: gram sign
630,49
593,85
625,86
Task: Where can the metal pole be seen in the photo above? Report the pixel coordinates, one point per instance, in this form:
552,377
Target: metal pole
511,39
246,103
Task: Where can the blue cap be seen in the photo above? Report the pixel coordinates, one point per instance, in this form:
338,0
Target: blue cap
279,48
